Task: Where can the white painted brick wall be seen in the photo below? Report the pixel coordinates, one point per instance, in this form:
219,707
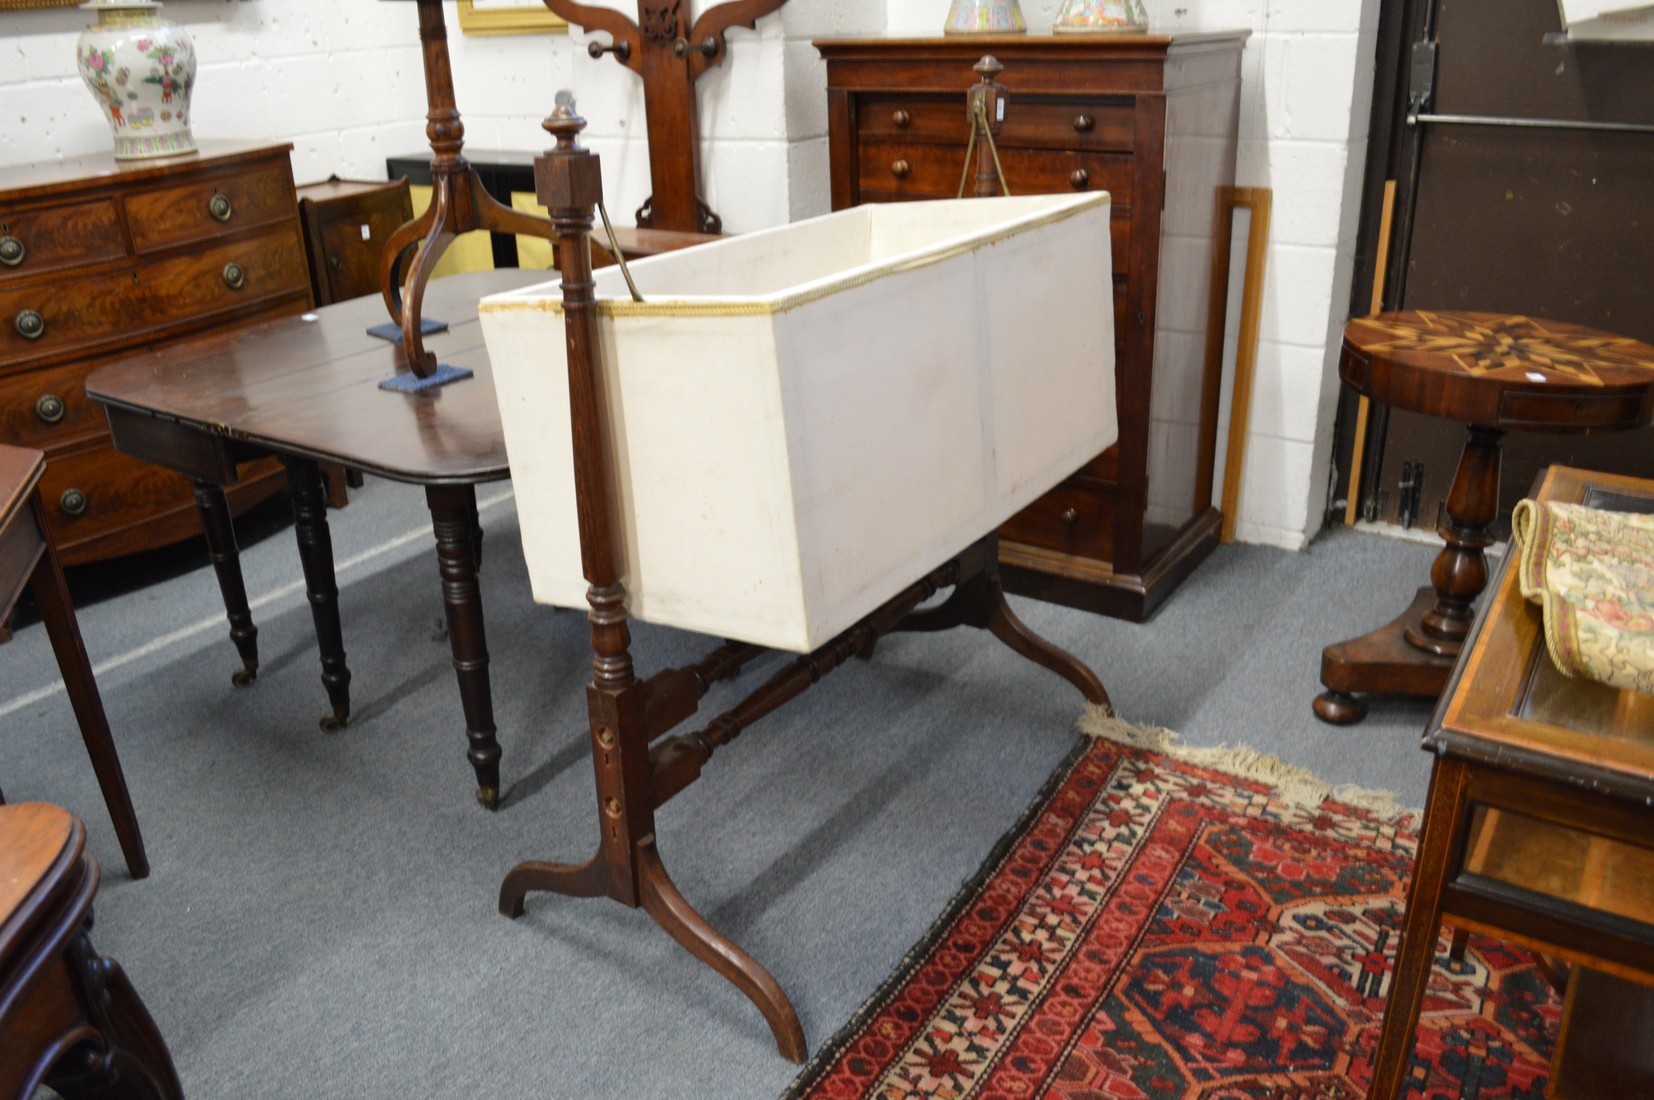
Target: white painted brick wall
342,80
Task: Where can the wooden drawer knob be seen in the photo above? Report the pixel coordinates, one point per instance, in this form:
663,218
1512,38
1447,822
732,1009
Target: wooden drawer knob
234,277
1079,178
901,119
11,251
219,206
1084,123
901,169
73,502
49,408
30,324
1070,516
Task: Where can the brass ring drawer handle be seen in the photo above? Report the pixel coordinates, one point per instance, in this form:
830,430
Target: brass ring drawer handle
73,502
234,277
11,251
50,408
219,206
901,169
901,119
1084,123
1079,178
30,324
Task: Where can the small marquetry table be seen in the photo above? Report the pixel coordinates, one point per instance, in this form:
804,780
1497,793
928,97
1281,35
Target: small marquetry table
1539,830
1495,373
305,389
69,1019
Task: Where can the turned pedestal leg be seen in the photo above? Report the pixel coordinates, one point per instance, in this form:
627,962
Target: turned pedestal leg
458,539
1460,570
304,482
1415,653
226,562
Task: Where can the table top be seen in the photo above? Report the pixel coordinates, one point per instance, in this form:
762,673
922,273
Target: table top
1509,707
1501,371
34,838
308,386
20,470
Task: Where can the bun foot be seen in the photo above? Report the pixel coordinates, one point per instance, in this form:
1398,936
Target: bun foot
333,723
244,675
489,797
1339,708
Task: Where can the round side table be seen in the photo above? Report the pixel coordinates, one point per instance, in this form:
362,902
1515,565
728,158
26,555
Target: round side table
1496,373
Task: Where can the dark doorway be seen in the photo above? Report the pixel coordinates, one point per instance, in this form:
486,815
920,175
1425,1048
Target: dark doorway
1525,184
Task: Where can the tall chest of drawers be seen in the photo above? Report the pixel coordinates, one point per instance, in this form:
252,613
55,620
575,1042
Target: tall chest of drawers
99,257
1152,119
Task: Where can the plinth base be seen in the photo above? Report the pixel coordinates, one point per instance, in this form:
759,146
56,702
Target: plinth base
1382,662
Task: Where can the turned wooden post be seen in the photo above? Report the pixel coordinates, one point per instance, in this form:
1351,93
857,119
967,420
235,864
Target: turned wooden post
568,181
983,106
459,203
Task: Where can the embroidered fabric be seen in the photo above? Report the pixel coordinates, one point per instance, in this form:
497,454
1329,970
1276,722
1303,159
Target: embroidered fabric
1592,574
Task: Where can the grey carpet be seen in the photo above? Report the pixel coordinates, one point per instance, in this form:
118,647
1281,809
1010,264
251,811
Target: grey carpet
321,919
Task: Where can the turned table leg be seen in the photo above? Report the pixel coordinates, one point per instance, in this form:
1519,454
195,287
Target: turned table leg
1414,654
304,482
458,547
226,562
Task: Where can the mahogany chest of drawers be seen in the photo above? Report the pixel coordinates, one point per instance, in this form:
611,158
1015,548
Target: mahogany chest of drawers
98,257
1153,120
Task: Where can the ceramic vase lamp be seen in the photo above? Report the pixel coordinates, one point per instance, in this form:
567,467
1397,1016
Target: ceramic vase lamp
1101,17
985,17
141,70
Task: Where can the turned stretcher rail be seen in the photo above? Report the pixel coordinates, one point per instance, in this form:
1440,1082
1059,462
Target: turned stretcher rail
677,763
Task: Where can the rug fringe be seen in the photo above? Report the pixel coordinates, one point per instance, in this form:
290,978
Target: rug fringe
1296,785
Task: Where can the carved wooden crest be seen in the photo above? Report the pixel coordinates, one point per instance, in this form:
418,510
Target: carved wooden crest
660,21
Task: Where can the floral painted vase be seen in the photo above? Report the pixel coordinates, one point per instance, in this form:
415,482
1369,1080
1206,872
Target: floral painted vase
141,69
1093,16
985,17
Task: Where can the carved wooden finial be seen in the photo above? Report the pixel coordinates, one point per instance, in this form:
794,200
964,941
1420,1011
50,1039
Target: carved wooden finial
564,123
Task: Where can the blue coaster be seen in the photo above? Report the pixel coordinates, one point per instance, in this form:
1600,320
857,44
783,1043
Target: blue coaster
392,331
412,383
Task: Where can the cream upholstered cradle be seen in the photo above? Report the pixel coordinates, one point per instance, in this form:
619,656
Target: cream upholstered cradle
807,418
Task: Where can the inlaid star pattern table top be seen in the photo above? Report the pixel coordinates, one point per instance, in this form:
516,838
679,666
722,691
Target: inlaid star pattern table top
1503,371
1494,344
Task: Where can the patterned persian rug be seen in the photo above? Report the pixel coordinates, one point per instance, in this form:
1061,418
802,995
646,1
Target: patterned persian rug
1160,927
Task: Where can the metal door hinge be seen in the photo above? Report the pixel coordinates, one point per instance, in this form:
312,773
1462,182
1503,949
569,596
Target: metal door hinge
1421,81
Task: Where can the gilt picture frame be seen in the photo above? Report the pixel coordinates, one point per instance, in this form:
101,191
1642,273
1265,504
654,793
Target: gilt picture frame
483,17
25,5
